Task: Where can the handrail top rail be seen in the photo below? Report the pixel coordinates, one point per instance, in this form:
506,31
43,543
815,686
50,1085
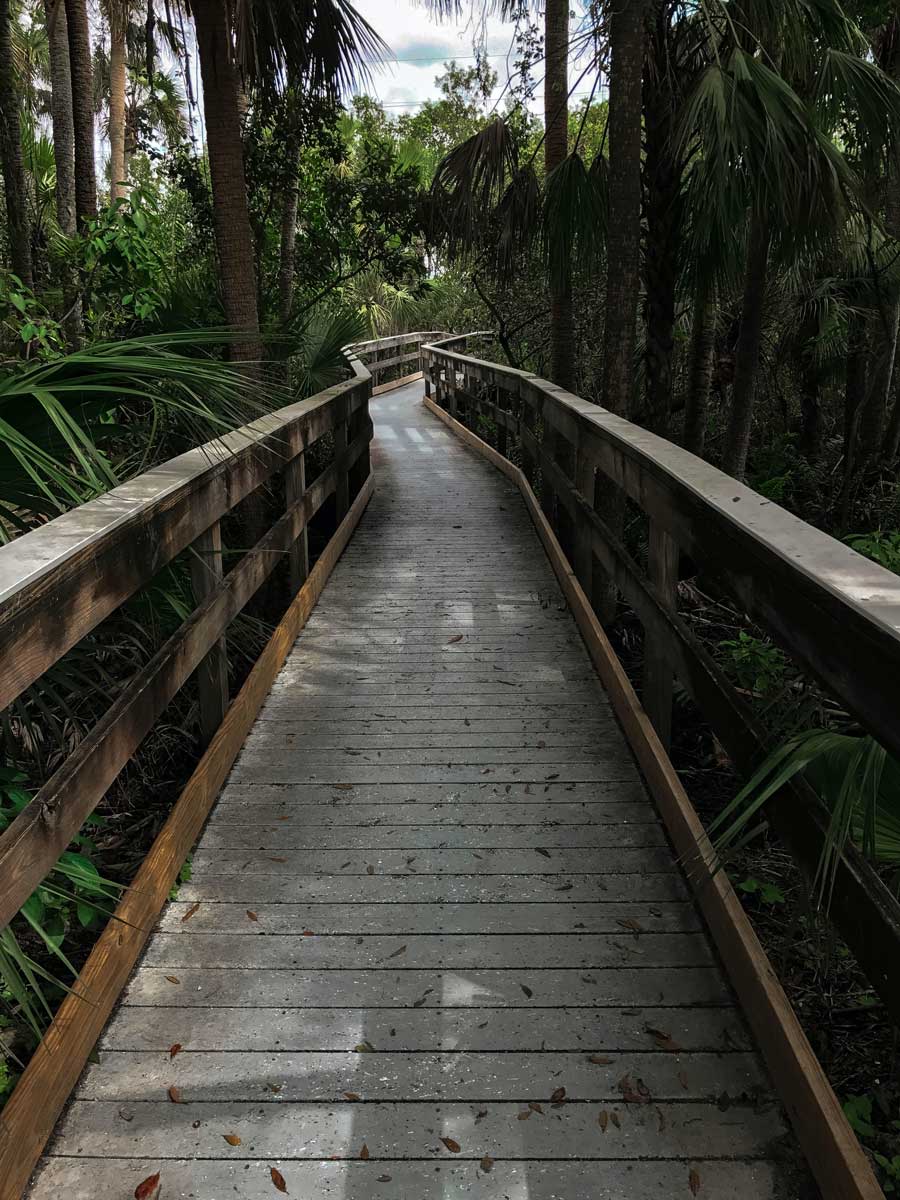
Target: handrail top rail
40,552
871,591
395,339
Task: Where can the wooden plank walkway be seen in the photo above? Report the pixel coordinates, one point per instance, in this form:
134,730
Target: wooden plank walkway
435,944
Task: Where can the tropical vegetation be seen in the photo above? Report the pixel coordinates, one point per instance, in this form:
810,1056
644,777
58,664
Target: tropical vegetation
686,212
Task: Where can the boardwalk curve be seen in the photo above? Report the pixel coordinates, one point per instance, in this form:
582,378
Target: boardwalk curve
435,943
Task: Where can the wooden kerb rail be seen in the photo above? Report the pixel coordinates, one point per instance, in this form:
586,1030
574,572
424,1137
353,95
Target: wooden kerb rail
838,613
60,581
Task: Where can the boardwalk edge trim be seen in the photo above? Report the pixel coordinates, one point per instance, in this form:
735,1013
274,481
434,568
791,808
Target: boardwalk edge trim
833,1153
30,1115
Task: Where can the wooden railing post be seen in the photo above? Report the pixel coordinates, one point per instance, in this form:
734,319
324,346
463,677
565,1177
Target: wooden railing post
342,491
212,674
585,484
662,568
294,489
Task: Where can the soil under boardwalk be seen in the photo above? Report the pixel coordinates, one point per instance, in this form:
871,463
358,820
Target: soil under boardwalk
442,947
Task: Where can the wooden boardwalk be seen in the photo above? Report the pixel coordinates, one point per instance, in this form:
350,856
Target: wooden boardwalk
435,944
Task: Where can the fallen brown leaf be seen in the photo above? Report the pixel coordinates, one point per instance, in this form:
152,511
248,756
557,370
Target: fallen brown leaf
664,1040
364,1153
456,638
190,912
523,1115
174,1049
364,1048
694,1181
308,933
175,1095
452,1145
343,787
145,1190
683,1079
370,870
614,1117
535,1107
351,1095
276,858
278,1179
558,1096
527,990
252,915
487,1164
397,953
232,1139
630,923
173,979
661,1121
603,1119
600,1060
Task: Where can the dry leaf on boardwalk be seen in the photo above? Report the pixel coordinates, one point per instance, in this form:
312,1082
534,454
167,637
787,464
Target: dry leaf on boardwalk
232,1139
694,1181
174,1049
487,1163
278,1179
175,1095
452,1145
364,1153
190,912
146,1189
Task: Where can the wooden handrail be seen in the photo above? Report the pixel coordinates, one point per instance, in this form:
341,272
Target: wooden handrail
834,611
58,582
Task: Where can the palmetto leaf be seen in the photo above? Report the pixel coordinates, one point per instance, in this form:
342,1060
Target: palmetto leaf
574,217
856,779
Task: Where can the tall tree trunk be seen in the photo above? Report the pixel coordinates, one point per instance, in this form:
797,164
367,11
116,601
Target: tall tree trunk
288,245
892,437
231,214
82,109
556,149
63,154
703,341
17,220
854,398
61,114
663,180
746,363
626,38
118,17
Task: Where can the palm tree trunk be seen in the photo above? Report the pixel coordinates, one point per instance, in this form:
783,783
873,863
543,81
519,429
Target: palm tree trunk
117,83
18,224
82,109
556,149
63,154
703,340
288,244
61,114
663,176
626,38
231,215
746,364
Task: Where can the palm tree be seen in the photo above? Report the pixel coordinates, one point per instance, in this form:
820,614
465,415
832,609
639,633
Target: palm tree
556,150
61,113
18,224
79,34
254,42
118,13
626,41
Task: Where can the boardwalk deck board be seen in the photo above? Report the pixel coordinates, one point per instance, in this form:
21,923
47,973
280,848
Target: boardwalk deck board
433,882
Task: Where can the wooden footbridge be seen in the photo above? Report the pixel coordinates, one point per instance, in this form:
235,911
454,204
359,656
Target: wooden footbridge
452,929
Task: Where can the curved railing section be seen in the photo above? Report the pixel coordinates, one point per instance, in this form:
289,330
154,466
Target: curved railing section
60,581
834,612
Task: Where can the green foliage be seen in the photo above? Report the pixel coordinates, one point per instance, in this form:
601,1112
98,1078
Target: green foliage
768,893
184,876
857,781
756,665
26,320
882,546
